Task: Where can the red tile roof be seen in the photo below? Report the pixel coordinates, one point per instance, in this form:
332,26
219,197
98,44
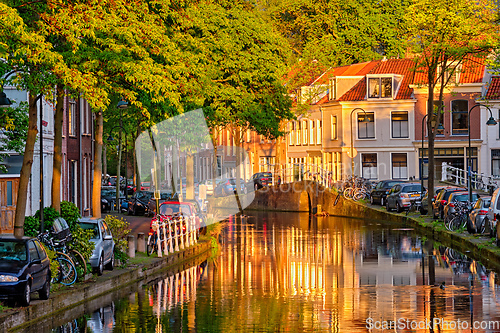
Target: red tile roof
493,92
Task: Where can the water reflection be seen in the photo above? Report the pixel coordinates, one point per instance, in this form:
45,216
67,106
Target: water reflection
288,272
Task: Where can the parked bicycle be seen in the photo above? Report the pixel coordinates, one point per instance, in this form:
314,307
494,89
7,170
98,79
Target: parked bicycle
66,273
459,218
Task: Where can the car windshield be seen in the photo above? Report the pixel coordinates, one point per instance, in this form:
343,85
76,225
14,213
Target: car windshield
390,184
170,209
105,193
267,174
90,226
411,188
464,197
12,250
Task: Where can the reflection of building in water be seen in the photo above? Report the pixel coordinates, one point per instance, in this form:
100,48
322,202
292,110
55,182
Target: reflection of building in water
347,272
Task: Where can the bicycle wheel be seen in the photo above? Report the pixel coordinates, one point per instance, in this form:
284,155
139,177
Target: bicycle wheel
79,262
152,246
348,192
359,194
67,271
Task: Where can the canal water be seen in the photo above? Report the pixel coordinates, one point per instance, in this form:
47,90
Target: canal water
289,272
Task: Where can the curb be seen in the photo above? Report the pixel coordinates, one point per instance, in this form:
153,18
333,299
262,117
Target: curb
107,283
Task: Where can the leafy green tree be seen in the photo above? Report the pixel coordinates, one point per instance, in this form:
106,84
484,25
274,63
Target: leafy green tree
443,35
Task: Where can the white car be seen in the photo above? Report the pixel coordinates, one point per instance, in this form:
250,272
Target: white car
103,255
490,221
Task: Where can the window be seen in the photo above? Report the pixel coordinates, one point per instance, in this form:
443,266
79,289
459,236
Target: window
298,138
266,163
318,132
311,131
380,87
9,193
459,117
333,131
366,129
72,118
495,162
399,166
399,121
291,134
369,166
436,110
332,94
304,132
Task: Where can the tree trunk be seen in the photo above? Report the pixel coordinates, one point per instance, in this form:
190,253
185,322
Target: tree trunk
137,176
431,132
22,193
96,188
104,160
57,160
118,175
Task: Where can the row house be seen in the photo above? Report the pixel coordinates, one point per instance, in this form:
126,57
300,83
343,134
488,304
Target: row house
77,159
375,110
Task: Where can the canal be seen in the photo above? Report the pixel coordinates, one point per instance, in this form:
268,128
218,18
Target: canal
289,272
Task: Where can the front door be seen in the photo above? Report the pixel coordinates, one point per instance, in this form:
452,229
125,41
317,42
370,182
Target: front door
8,198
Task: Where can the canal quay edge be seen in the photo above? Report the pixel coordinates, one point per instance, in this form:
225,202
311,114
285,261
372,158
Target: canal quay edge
110,281
308,196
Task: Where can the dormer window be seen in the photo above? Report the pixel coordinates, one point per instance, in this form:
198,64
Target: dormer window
380,87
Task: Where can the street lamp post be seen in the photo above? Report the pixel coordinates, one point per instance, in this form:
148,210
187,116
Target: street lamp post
110,138
440,127
365,120
490,122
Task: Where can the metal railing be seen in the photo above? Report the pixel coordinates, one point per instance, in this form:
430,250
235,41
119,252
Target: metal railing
457,176
293,172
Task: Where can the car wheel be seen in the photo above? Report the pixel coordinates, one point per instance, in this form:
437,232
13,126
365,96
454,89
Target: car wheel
382,201
387,206
482,227
44,293
423,211
470,229
256,187
398,207
371,200
25,301
100,266
111,264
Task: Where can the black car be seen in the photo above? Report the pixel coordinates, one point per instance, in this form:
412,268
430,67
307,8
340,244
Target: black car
260,180
138,203
379,192
108,199
24,268
130,186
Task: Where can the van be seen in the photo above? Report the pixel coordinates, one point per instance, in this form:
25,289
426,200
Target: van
490,221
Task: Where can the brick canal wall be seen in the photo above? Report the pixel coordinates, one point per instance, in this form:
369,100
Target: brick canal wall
62,302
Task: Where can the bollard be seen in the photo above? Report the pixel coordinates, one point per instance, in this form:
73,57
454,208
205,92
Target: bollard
141,242
131,246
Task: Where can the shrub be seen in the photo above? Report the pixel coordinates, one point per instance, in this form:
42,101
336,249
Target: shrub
71,213
31,226
120,229
49,215
80,241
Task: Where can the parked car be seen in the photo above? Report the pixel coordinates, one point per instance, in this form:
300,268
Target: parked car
475,224
457,196
130,186
490,220
138,203
442,200
379,192
228,186
104,246
108,199
24,268
186,208
209,186
424,207
401,195
259,180
112,181
164,196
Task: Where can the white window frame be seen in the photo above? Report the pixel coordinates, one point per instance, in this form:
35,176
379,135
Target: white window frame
291,133
408,126
374,126
392,166
333,129
379,78
304,132
311,127
363,169
319,131
72,118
